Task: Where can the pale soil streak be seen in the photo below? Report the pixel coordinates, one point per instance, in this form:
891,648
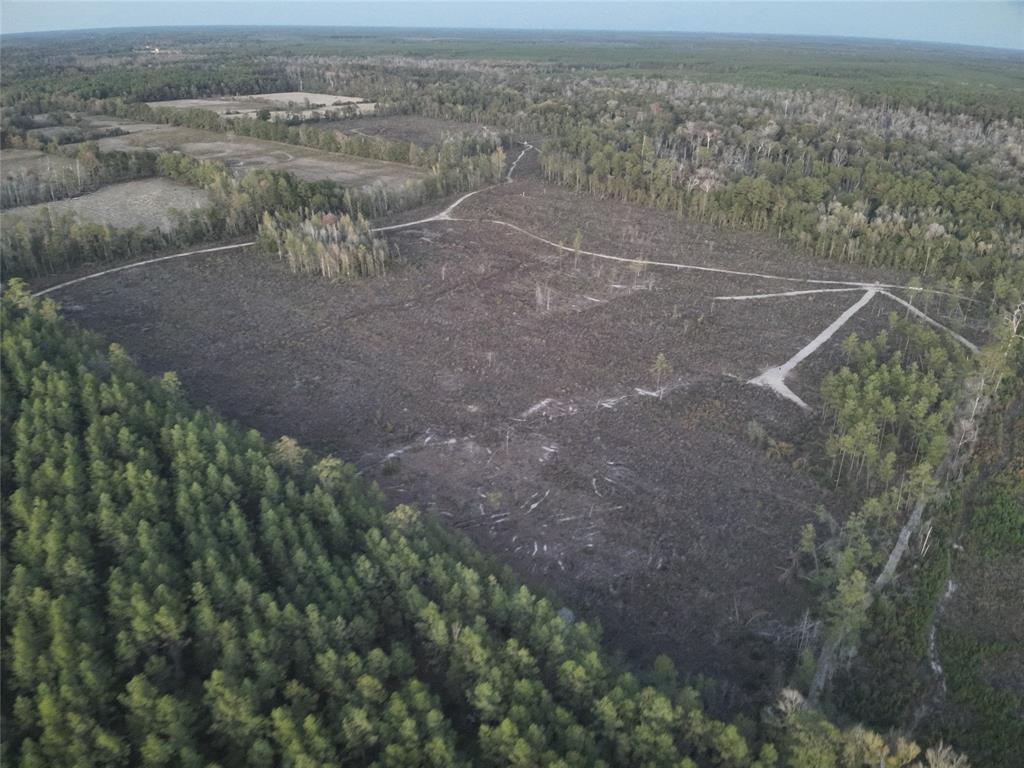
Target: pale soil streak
775,378
929,320
446,214
137,264
526,148
853,285
753,296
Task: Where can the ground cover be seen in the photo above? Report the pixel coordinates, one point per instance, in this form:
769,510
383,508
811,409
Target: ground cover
277,106
23,162
146,203
242,155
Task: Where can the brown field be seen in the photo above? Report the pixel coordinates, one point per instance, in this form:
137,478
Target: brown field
54,132
280,105
146,203
422,131
243,154
505,387
25,162
98,122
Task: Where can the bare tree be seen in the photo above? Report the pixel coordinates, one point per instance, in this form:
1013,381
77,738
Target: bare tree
660,369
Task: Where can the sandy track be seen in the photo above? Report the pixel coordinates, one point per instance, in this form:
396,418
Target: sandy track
775,378
137,264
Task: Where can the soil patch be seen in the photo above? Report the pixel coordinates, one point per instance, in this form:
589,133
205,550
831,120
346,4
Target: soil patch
17,163
279,106
147,203
243,154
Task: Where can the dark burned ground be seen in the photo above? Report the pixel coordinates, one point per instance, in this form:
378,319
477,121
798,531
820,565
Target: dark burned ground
422,131
505,381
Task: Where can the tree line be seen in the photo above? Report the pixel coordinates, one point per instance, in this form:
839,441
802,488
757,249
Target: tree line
900,416
324,244
458,163
49,242
980,85
64,175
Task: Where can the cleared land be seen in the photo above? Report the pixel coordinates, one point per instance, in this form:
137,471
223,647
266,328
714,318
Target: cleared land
98,122
85,127
506,387
422,131
242,154
280,105
17,163
146,203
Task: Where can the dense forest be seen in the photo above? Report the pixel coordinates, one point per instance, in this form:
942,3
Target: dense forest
181,592
977,82
892,186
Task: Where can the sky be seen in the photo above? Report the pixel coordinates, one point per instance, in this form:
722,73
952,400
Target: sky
992,23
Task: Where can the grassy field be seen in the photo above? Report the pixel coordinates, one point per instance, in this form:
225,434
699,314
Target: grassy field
243,154
146,203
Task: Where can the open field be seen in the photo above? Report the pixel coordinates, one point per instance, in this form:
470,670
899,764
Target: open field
505,386
85,127
721,352
422,131
279,105
244,154
99,122
24,162
146,203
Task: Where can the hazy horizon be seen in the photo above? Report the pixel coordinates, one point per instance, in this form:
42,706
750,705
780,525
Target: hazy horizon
986,24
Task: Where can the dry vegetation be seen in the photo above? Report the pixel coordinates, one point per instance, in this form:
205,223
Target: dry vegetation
246,154
147,203
422,131
24,162
277,106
